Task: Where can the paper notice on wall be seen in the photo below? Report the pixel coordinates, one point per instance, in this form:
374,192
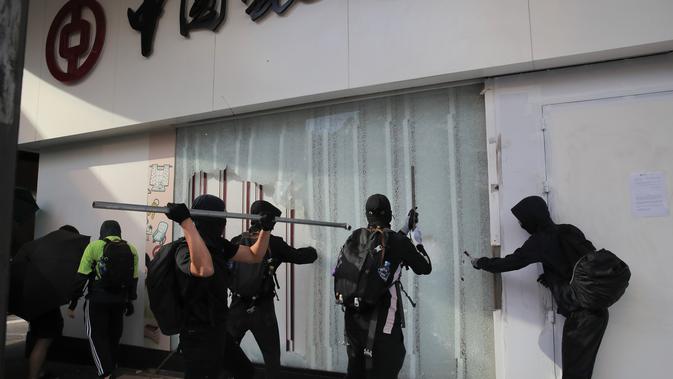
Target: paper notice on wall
649,197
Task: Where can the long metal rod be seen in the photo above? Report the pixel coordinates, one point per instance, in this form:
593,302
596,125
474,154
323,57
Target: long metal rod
214,214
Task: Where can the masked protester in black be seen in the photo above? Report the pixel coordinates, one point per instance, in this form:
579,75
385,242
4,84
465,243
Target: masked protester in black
558,248
253,289
388,349
202,258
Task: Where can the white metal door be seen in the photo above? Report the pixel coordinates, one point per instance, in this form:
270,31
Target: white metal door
593,148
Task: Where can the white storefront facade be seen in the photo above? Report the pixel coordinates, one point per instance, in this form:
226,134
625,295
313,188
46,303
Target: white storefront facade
478,104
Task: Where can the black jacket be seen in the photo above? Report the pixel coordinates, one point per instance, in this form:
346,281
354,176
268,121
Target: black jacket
557,247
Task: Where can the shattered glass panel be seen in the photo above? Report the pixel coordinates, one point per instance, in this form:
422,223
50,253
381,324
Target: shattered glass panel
324,162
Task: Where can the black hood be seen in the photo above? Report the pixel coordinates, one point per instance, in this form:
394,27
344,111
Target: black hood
378,211
259,207
210,229
533,214
110,228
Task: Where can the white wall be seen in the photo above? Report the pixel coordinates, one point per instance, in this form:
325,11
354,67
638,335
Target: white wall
320,49
71,178
525,327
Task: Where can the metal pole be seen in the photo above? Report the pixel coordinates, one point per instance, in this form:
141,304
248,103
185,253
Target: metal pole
13,15
214,214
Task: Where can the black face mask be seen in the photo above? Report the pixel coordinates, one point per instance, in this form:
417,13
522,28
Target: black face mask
210,229
378,211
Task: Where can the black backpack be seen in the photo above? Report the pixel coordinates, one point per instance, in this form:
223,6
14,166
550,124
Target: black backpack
115,267
163,289
362,274
599,279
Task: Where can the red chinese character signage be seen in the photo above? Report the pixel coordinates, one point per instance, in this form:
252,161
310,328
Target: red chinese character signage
71,35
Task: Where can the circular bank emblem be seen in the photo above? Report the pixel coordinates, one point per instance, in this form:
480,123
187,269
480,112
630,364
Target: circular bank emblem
71,34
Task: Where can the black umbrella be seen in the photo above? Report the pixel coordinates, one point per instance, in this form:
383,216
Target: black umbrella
44,272
24,204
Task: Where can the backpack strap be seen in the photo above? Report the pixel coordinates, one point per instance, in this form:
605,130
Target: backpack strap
94,264
274,277
371,336
382,232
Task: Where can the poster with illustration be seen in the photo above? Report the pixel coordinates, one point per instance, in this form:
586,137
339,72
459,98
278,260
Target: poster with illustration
158,231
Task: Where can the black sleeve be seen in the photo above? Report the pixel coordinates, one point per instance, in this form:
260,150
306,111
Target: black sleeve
237,240
287,253
520,258
562,293
183,260
227,249
133,289
414,256
78,290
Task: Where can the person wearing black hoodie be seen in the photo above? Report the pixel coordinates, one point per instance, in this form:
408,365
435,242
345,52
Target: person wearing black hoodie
201,259
558,247
253,288
385,358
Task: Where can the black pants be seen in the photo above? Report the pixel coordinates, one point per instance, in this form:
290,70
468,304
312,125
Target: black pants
388,353
261,321
208,351
582,335
104,326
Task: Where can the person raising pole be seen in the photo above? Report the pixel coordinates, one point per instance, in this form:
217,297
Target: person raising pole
201,259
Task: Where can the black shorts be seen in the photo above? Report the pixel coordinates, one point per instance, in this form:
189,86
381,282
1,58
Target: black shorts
48,325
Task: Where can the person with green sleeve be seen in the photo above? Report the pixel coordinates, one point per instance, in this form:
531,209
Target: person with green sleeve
110,266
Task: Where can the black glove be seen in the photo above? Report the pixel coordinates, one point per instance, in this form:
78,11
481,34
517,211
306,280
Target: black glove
410,222
178,212
268,221
128,309
478,262
542,279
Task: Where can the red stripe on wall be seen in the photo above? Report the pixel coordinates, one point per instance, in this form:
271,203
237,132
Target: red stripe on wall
193,188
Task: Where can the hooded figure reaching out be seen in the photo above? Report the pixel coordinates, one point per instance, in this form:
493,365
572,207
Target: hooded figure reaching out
558,248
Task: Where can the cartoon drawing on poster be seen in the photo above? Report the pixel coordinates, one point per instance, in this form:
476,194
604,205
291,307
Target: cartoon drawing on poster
150,215
159,177
148,232
159,235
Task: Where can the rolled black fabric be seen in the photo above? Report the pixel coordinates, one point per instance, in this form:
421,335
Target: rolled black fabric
600,279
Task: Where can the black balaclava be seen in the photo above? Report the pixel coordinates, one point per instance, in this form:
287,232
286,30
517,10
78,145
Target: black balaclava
210,229
533,214
110,228
259,207
378,211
